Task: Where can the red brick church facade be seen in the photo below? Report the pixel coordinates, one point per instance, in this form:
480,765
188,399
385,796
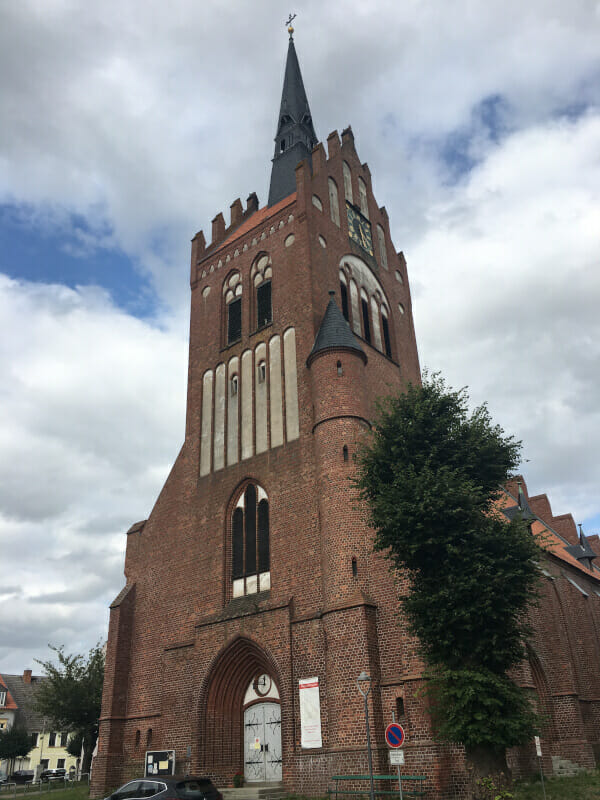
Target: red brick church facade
255,569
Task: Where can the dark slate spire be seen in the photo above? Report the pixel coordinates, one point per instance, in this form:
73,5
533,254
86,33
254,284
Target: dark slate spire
523,509
334,333
295,136
582,551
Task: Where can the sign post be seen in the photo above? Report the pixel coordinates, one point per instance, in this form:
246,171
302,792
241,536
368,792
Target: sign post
538,750
394,736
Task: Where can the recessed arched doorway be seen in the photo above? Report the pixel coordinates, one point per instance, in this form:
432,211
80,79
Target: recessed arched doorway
242,687
262,731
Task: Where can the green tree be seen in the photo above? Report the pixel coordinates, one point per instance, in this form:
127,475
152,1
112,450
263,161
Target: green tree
71,695
431,475
75,744
15,743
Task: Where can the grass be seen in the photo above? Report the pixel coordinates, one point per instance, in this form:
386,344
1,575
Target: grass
79,791
585,786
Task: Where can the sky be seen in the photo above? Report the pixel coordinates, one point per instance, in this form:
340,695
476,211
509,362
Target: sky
126,127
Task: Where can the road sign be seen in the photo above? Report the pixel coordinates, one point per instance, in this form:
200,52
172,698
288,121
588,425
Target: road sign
394,735
396,757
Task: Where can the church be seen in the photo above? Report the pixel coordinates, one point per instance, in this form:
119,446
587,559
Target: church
253,599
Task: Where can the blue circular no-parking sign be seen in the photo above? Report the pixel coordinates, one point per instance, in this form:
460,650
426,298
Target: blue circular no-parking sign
394,735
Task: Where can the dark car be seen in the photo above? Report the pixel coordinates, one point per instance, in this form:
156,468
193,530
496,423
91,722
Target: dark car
22,776
168,787
53,775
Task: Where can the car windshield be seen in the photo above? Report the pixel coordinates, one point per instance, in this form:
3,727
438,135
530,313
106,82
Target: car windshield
195,789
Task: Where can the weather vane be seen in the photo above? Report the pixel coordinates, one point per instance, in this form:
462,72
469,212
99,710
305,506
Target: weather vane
289,24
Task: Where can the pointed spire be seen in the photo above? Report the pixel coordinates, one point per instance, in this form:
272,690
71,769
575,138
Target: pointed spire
295,137
582,551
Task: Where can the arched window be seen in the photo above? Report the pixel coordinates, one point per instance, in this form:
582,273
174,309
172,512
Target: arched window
260,275
137,738
387,342
362,197
344,297
382,247
250,559
364,305
334,207
347,182
232,292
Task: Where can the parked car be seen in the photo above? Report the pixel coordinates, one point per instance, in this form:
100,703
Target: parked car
53,775
168,787
3,777
22,776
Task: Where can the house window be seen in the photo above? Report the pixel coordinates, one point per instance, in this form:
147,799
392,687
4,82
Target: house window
44,763
34,740
347,182
148,737
334,207
60,763
2,699
263,304
52,739
137,738
345,452
362,197
234,385
63,739
250,559
262,372
354,568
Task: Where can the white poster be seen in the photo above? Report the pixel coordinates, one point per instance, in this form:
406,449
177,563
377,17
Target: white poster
310,713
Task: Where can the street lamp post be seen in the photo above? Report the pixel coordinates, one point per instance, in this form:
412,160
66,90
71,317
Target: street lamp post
364,680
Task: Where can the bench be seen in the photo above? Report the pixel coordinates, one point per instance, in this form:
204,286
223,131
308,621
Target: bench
412,786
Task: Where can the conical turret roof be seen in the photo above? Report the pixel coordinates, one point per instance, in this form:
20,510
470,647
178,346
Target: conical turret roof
334,333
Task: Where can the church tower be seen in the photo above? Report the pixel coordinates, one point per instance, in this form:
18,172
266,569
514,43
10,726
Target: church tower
253,599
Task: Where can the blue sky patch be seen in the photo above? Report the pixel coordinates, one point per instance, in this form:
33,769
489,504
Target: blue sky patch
73,254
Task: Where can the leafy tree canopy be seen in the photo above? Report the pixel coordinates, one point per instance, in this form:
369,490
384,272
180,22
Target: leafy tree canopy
431,475
71,695
15,743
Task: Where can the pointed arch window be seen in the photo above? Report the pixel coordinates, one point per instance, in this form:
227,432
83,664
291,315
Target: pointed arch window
344,297
232,292
385,325
334,206
250,545
382,247
362,198
347,182
261,275
364,305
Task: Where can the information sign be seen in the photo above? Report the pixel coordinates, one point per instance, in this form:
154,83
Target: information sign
397,757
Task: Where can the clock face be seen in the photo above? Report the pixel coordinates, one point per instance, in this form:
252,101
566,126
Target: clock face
359,228
262,685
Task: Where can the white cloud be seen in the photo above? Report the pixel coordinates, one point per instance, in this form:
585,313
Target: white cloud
92,411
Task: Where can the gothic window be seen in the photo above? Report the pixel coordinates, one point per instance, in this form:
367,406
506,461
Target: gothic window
362,197
344,296
347,182
232,292
334,207
382,248
263,304
364,304
387,343
260,275
250,560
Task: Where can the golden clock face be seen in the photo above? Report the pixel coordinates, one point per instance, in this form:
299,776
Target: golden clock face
359,228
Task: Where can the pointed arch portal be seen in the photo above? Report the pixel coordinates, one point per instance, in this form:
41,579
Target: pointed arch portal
224,702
